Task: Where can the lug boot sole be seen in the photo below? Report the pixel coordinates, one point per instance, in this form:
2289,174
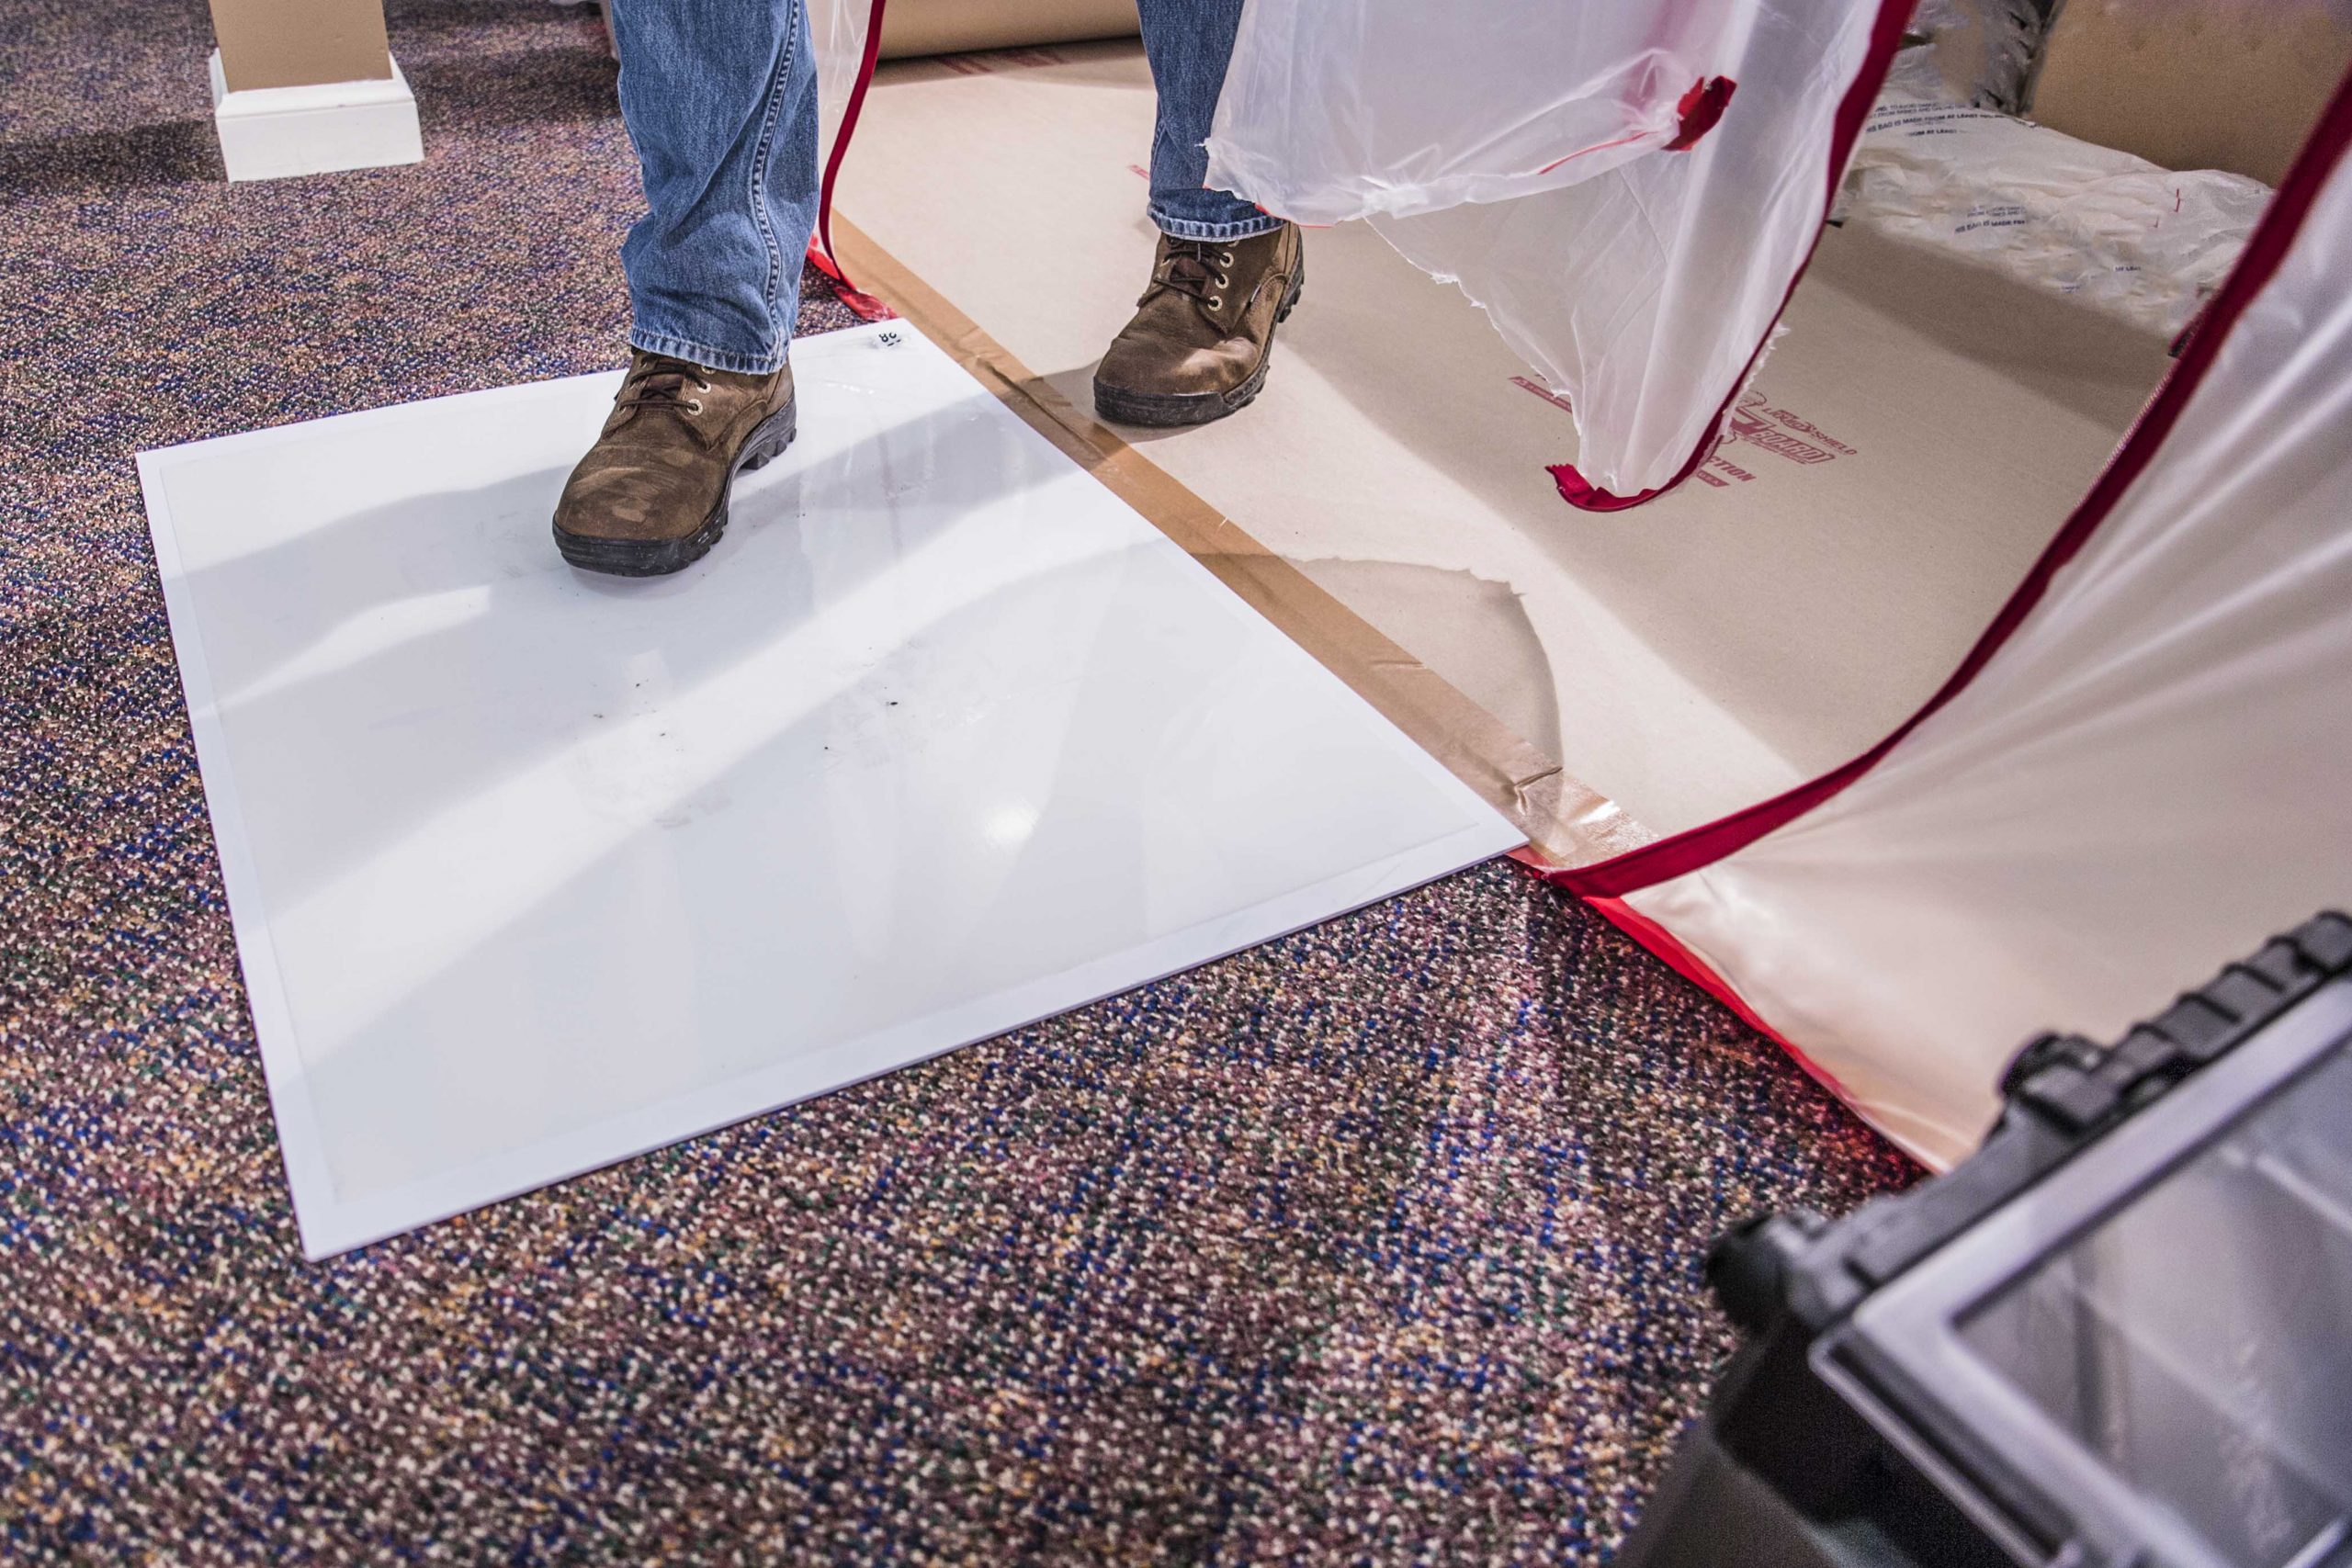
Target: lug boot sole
1162,411
659,557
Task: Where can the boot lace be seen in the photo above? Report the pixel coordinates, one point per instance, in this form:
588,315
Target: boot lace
1198,268
660,383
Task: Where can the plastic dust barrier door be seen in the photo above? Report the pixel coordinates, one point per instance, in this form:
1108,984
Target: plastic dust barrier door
1629,190
2143,759
532,870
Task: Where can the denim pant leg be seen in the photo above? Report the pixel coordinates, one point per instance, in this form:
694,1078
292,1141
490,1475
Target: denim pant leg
720,99
1189,42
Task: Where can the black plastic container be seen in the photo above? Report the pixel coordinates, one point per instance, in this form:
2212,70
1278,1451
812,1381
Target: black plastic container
2121,1334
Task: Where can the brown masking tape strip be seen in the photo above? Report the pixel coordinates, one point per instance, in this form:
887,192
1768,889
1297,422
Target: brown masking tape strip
1566,823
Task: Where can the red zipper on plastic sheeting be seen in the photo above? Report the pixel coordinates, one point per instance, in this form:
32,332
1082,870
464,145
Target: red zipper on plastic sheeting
1886,37
830,263
1687,851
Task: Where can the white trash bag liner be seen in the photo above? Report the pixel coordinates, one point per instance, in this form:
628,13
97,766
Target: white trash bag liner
2138,771
1630,245
843,35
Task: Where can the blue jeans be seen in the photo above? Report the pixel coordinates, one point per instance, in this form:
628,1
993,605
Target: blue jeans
1189,43
721,101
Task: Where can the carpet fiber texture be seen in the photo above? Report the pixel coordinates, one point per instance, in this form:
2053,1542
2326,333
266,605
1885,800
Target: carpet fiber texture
1378,1244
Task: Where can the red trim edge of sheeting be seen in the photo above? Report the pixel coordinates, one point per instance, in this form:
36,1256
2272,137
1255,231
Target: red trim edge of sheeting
1687,851
1699,110
866,65
1665,944
861,305
1886,37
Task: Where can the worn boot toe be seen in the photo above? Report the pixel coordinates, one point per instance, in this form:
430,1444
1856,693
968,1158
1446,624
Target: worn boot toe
1203,333
651,496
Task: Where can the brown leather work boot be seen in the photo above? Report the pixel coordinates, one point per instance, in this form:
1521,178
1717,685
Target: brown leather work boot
1197,348
651,496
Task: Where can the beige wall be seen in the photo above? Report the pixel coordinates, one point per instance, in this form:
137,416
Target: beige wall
292,43
946,27
2195,83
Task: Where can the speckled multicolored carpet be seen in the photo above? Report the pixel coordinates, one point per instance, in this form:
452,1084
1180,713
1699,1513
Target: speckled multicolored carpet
1376,1245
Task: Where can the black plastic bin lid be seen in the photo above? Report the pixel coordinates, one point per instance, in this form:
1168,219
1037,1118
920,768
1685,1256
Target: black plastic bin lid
2149,1361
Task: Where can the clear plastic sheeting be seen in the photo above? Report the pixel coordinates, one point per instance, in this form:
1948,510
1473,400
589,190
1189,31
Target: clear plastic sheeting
837,31
1628,246
2148,774
2110,229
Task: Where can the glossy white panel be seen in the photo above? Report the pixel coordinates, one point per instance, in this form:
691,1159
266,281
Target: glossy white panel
532,870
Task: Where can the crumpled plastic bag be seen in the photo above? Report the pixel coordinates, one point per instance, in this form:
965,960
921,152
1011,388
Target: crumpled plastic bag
2106,227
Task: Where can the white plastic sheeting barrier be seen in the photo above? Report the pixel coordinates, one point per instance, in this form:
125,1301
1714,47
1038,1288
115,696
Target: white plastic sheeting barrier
1560,162
845,36
839,30
2142,771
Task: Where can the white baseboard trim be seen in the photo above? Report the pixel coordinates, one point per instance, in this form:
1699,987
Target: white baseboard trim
267,133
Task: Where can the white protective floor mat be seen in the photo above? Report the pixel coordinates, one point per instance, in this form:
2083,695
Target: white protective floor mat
532,870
